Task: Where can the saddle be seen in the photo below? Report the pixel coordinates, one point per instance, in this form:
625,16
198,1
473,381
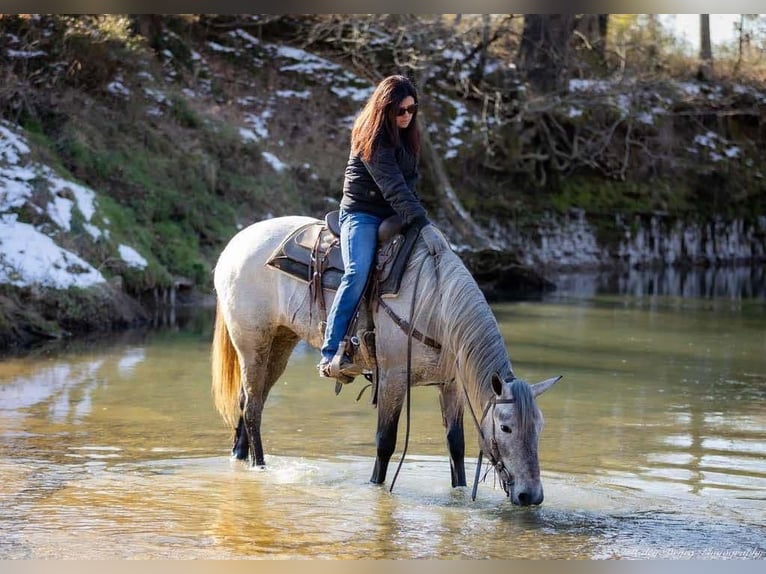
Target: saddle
312,253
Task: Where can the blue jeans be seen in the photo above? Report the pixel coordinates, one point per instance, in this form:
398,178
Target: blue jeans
358,240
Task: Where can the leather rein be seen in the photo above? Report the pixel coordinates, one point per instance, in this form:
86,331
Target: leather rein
494,452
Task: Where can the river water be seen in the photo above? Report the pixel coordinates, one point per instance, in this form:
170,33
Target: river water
654,446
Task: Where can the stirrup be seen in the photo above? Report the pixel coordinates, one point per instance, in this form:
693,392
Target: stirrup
340,368
330,371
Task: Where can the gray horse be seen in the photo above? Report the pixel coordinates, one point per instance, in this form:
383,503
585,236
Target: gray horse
263,312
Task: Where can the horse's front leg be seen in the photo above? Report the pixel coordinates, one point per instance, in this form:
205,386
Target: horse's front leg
452,417
390,398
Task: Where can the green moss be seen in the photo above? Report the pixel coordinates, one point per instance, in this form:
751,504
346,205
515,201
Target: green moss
184,114
601,196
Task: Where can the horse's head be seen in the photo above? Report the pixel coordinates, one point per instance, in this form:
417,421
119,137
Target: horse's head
511,427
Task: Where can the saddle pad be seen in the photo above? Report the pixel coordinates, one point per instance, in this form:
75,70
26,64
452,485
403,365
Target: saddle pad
391,275
294,256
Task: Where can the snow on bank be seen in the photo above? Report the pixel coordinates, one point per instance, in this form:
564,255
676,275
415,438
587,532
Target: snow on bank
30,257
29,254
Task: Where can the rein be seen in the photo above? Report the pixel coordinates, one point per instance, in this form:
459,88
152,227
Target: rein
405,326
409,328
494,452
411,333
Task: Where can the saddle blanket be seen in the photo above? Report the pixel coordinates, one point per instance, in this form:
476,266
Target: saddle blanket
314,247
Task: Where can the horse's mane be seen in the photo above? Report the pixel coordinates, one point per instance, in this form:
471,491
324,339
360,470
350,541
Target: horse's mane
452,309
525,407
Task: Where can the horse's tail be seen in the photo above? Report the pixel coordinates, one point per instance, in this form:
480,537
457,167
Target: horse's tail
225,370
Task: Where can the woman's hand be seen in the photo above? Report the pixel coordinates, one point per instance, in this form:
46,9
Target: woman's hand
434,240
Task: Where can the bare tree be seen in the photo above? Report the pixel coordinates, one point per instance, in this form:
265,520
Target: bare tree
592,30
705,71
544,50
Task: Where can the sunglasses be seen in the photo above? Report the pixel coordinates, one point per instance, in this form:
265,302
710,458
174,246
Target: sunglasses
408,110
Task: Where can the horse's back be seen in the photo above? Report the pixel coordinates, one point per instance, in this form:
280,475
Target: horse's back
241,263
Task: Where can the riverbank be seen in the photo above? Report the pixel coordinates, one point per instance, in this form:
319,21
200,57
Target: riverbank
124,178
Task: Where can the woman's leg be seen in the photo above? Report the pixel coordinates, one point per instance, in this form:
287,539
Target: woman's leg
358,240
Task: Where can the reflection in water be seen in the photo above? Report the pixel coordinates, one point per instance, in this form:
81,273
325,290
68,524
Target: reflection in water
696,282
654,447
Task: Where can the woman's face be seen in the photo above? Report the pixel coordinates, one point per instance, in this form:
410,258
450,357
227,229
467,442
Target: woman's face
402,121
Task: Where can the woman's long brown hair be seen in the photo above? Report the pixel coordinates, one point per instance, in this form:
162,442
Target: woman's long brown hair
378,117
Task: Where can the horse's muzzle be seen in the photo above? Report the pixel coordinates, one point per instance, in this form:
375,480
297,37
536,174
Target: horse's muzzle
525,494
525,498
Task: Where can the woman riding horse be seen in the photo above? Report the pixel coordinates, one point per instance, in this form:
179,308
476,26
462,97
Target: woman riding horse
379,182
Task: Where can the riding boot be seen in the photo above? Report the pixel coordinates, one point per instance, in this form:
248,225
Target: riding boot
343,365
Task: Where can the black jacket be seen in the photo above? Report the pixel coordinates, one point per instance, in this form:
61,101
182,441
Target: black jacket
385,185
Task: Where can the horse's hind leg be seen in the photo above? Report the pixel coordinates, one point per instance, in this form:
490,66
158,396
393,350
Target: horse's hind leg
452,417
259,375
241,444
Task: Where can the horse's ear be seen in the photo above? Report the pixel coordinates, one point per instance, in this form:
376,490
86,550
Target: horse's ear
497,384
540,388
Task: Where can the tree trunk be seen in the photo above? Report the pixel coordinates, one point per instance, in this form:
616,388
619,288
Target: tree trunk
544,50
478,71
593,27
705,72
150,27
457,216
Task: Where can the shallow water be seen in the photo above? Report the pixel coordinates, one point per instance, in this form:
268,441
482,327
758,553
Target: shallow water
654,447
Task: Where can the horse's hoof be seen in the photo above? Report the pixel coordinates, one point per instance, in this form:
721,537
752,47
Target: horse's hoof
239,453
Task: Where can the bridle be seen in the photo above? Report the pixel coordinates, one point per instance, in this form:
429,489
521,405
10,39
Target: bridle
506,478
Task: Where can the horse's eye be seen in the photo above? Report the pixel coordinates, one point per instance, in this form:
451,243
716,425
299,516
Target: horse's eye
505,428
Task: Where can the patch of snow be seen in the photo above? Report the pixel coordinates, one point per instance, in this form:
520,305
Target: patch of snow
707,140
247,100
689,88
94,231
308,62
352,92
249,38
574,112
156,95
248,135
584,85
11,145
84,196
624,103
274,161
216,47
303,95
258,124
117,88
30,257
453,55
25,54
132,257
